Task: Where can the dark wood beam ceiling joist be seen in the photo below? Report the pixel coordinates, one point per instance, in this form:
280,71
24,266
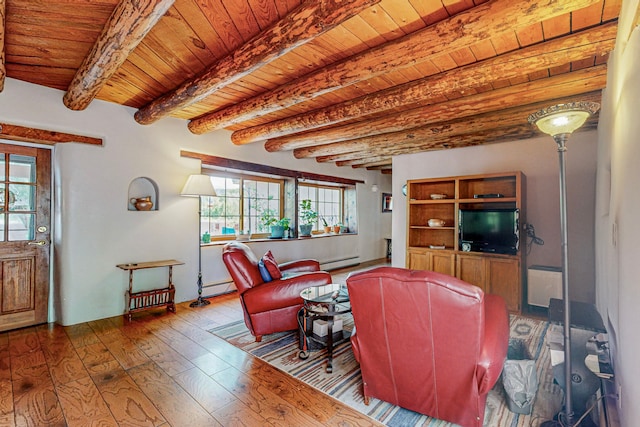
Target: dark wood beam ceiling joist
506,125
447,36
518,64
127,26
562,85
3,65
240,165
438,134
302,25
43,136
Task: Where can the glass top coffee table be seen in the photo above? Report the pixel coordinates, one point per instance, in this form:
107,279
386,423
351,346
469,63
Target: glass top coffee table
322,303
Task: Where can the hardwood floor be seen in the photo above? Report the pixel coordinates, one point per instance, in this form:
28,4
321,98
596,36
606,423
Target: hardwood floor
160,369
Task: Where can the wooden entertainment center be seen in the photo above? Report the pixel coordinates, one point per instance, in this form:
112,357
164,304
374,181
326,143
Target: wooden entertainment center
437,247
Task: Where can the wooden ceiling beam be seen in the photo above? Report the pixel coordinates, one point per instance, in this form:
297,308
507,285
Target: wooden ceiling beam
492,136
460,31
305,23
568,84
125,29
382,168
440,132
597,41
367,162
3,65
468,140
489,136
43,136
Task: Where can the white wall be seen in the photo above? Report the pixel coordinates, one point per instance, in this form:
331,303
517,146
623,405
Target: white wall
618,208
537,158
94,231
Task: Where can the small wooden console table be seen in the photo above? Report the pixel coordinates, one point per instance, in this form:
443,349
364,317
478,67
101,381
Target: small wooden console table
136,301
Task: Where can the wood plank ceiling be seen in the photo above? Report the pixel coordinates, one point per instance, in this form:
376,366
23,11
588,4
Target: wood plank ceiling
353,82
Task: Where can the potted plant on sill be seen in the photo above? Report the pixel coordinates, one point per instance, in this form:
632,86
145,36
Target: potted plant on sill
284,223
327,227
336,227
276,226
307,217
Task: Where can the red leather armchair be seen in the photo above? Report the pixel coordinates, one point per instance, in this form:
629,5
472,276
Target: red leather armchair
270,306
428,342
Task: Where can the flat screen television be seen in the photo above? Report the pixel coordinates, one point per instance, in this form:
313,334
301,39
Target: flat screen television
489,230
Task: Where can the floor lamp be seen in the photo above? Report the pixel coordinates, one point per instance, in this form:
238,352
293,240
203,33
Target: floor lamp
560,121
198,186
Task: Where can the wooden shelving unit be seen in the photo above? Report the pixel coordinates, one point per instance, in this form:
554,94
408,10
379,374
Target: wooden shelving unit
438,248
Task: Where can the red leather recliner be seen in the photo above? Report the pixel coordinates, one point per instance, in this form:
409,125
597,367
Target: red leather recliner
270,306
428,342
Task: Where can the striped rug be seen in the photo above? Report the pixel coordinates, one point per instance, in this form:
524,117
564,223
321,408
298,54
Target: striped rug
345,383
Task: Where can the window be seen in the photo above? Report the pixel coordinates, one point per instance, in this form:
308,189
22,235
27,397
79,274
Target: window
325,200
241,203
17,197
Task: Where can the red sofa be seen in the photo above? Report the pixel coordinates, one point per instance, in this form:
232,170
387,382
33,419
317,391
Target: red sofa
270,307
428,342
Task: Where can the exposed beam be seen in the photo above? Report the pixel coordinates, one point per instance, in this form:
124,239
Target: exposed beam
597,41
581,81
125,29
460,31
493,136
480,138
3,26
223,162
380,168
439,132
302,25
489,136
42,136
369,162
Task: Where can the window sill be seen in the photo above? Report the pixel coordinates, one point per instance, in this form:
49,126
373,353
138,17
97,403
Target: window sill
266,239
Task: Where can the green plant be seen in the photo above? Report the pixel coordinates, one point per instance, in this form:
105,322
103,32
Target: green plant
307,214
324,222
268,219
284,222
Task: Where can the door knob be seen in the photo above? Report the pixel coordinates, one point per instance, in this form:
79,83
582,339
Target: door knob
38,243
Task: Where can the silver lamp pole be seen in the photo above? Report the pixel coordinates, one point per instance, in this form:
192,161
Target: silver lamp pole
560,121
198,186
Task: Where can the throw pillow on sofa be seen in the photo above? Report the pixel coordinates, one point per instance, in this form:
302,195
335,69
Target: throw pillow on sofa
272,265
266,277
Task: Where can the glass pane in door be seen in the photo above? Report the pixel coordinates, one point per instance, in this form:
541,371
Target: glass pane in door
21,197
2,166
22,168
21,227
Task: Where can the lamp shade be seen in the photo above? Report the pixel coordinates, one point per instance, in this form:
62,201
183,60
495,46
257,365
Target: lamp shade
198,185
563,118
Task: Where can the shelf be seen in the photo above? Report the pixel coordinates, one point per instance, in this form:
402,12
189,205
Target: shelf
431,201
489,200
426,227
143,189
494,273
422,248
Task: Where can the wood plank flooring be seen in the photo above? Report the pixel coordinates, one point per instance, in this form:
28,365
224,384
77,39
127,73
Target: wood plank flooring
160,369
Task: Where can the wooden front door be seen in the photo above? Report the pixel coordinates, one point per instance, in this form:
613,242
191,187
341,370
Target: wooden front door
25,223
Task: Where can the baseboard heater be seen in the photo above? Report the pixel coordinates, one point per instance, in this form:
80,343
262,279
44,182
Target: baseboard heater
216,289
543,283
340,263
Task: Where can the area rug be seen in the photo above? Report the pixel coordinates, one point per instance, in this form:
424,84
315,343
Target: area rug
345,383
